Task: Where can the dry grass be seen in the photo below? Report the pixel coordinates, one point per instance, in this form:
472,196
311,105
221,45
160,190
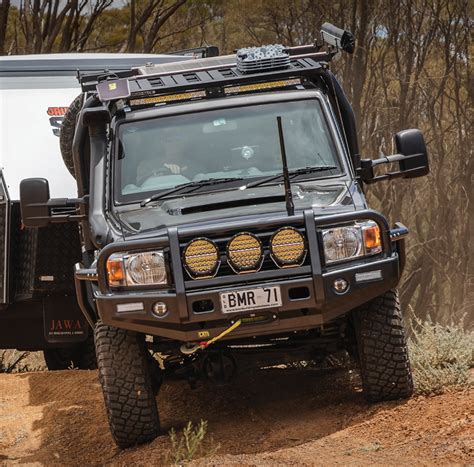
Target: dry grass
441,357
16,361
13,361
190,444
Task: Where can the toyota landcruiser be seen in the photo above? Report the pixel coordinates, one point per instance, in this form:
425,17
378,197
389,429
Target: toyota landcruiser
223,219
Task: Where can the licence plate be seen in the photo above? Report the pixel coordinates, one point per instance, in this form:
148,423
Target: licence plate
250,299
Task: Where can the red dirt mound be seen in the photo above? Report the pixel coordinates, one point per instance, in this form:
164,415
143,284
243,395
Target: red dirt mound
267,417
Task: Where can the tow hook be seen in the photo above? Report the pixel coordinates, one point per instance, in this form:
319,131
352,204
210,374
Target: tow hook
189,349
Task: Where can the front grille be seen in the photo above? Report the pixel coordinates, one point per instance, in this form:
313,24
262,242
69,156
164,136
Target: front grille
225,268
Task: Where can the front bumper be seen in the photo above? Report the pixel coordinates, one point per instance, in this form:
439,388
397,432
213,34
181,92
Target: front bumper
308,297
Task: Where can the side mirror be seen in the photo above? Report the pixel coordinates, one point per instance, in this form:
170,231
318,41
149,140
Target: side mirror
34,198
412,158
412,145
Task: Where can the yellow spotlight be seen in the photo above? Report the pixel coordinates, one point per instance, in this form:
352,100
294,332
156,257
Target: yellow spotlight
287,247
201,258
244,253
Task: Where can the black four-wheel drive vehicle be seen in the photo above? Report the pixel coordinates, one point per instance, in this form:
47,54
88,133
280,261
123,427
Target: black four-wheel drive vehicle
222,214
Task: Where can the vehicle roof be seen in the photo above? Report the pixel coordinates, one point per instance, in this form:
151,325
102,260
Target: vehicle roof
76,55
21,64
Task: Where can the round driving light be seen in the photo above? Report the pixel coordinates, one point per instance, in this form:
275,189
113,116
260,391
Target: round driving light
201,258
340,286
287,247
245,253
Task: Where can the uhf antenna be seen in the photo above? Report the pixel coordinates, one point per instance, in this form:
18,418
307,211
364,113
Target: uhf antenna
290,207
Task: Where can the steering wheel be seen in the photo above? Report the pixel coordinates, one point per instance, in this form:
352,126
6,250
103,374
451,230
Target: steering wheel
154,173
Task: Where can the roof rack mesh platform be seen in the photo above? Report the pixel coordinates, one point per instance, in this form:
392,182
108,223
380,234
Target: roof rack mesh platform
200,74
249,65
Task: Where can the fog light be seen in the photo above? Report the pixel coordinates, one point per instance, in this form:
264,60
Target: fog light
159,309
340,285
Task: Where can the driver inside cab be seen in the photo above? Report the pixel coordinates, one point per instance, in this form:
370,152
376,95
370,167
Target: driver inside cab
171,162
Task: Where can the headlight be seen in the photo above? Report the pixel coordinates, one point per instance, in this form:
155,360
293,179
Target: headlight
135,269
343,243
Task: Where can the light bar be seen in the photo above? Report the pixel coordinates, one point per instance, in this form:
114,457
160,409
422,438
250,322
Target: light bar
167,98
260,86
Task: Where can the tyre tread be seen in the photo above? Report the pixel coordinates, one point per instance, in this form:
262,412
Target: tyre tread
383,353
68,128
126,384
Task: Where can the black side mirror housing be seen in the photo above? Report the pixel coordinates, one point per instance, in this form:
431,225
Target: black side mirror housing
411,143
412,158
34,198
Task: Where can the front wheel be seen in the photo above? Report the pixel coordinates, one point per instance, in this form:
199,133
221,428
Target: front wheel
124,373
382,349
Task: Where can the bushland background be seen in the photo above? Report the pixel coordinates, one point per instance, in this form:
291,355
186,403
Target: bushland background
411,69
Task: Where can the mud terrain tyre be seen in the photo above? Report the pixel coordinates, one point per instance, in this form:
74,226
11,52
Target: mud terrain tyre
68,128
382,349
124,373
81,356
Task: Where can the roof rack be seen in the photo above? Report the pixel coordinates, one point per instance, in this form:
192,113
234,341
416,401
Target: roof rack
197,52
193,75
251,65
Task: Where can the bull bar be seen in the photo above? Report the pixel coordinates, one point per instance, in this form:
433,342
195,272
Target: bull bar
317,306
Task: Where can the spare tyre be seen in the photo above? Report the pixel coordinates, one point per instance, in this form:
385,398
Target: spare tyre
68,128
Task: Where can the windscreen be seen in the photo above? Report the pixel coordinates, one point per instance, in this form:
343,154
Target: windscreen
240,142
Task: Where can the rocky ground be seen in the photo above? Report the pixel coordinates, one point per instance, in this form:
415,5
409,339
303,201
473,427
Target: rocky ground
267,417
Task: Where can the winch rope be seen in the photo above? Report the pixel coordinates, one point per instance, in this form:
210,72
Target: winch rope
205,344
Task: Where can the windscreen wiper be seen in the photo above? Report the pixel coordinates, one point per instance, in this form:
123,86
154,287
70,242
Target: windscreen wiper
184,186
292,174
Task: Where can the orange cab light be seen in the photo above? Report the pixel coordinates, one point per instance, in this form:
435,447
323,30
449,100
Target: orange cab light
115,271
372,238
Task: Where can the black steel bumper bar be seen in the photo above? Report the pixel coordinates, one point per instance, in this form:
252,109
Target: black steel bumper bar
176,235
294,314
319,304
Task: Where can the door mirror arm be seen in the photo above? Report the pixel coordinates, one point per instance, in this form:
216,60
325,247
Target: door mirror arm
39,210
412,158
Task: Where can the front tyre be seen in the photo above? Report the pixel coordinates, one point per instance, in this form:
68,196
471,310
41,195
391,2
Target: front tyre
382,349
125,378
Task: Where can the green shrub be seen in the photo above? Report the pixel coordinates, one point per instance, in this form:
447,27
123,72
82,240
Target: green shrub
190,444
441,357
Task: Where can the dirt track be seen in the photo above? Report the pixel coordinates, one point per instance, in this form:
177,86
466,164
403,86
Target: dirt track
267,417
